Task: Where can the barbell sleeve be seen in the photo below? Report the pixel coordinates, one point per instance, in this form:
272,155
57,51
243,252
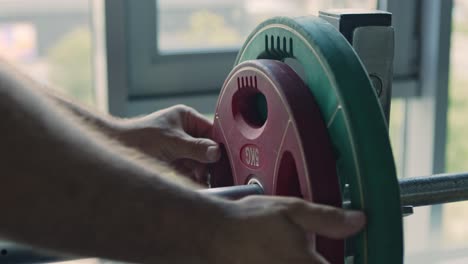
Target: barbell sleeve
435,189
414,191
234,192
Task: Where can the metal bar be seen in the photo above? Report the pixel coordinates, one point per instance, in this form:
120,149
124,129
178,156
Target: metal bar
235,192
414,191
436,189
12,253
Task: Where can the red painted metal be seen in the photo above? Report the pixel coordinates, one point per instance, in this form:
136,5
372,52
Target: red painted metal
282,143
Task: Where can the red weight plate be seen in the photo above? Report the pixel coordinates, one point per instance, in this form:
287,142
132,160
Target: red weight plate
271,131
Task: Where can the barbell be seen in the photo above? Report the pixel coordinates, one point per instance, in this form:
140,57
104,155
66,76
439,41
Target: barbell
319,131
304,113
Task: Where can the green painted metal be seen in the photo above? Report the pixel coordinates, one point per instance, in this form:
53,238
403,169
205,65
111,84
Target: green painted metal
349,105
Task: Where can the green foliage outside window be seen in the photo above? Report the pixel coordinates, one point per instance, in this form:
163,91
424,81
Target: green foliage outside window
70,61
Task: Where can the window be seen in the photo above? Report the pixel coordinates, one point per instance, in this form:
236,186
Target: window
455,216
425,135
183,50
206,25
396,130
50,40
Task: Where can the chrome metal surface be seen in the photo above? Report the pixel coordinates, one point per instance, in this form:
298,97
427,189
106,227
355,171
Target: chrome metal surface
235,192
436,189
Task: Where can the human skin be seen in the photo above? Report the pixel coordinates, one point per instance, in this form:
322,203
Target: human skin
65,186
178,136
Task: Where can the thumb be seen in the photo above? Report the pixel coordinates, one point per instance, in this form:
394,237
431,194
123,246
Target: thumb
200,149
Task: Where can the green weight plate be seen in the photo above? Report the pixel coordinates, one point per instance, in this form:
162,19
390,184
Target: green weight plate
350,108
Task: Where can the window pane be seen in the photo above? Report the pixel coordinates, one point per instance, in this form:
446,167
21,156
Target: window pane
396,131
51,41
455,216
224,24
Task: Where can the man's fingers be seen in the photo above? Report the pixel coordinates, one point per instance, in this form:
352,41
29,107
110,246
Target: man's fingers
196,124
201,174
192,169
319,259
327,221
196,144
199,149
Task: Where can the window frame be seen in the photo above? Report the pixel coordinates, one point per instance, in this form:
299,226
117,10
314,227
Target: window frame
149,68
426,114
134,60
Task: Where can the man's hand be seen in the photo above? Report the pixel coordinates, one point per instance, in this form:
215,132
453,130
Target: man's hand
69,189
273,230
179,136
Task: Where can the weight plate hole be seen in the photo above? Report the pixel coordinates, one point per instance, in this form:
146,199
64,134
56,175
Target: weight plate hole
249,103
3,252
288,179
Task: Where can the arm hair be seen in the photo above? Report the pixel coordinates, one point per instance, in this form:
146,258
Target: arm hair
67,188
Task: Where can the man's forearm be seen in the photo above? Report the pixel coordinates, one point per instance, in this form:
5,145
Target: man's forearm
65,188
104,122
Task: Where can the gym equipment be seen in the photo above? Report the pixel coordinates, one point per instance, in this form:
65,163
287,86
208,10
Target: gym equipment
273,135
414,191
304,113
355,123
